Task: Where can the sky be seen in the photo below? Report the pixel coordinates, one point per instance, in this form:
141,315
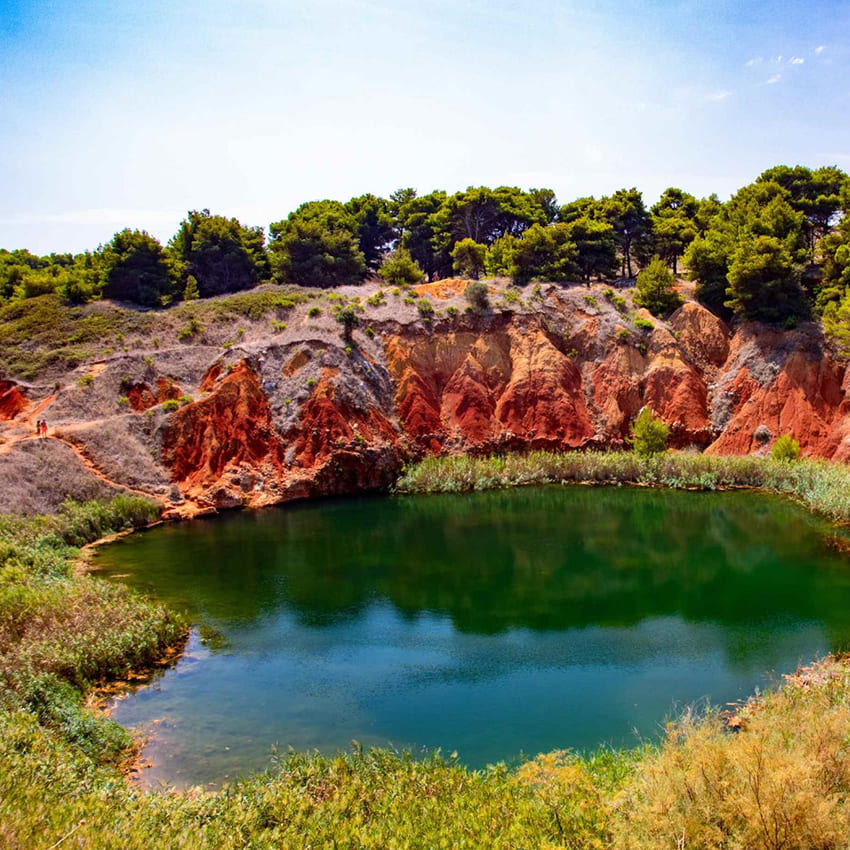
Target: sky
128,114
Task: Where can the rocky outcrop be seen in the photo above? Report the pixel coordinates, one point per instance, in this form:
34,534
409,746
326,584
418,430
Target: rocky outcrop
557,368
12,400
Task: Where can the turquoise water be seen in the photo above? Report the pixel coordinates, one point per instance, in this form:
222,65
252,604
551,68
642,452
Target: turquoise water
496,624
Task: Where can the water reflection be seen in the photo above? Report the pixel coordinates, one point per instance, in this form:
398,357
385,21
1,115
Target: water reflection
489,623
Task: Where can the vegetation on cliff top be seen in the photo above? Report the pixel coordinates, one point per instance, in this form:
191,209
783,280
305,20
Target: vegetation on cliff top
776,251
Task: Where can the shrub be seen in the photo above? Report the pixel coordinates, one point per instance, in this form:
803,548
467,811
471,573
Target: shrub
191,330
649,435
468,258
476,295
170,405
425,308
643,324
656,288
400,269
622,335
348,318
785,448
314,311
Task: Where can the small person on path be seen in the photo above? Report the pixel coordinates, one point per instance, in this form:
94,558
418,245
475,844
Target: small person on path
43,428
38,429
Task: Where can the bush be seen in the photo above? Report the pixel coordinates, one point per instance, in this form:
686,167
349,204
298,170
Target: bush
785,448
425,308
656,288
476,295
468,258
643,324
400,269
348,318
649,436
314,311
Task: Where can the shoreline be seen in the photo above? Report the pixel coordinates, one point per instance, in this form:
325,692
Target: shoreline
143,677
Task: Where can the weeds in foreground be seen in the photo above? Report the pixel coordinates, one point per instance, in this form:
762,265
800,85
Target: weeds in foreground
61,633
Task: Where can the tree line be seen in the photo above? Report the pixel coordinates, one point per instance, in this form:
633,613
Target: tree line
778,249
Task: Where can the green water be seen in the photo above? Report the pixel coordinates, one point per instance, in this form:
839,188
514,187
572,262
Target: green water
495,624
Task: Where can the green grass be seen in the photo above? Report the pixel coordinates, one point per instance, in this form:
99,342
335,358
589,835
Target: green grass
820,485
62,632
41,334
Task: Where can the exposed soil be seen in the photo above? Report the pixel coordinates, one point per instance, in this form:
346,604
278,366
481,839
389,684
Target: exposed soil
259,411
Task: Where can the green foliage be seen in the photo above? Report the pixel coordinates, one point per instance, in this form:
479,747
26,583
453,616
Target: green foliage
468,258
191,291
499,258
477,296
425,308
170,405
836,322
317,245
707,259
75,278
399,269
815,194
192,329
649,434
643,324
314,312
348,318
674,224
596,250
544,253
786,448
374,227
377,299
220,253
656,288
135,269
626,213
764,283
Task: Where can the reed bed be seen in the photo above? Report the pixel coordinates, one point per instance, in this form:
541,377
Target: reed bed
820,485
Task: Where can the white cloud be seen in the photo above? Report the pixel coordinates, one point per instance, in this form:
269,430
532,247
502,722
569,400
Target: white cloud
751,63
796,60
719,95
820,49
774,79
779,59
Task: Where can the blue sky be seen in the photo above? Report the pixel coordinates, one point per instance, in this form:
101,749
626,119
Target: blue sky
118,114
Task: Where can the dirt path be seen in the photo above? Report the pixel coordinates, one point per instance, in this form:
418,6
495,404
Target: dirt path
11,440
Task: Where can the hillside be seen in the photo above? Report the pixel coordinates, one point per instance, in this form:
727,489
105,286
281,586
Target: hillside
258,398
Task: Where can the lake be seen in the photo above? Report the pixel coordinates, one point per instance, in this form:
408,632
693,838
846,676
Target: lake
496,625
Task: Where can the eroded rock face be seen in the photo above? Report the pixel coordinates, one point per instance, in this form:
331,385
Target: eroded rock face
225,444
523,386
309,416
12,400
